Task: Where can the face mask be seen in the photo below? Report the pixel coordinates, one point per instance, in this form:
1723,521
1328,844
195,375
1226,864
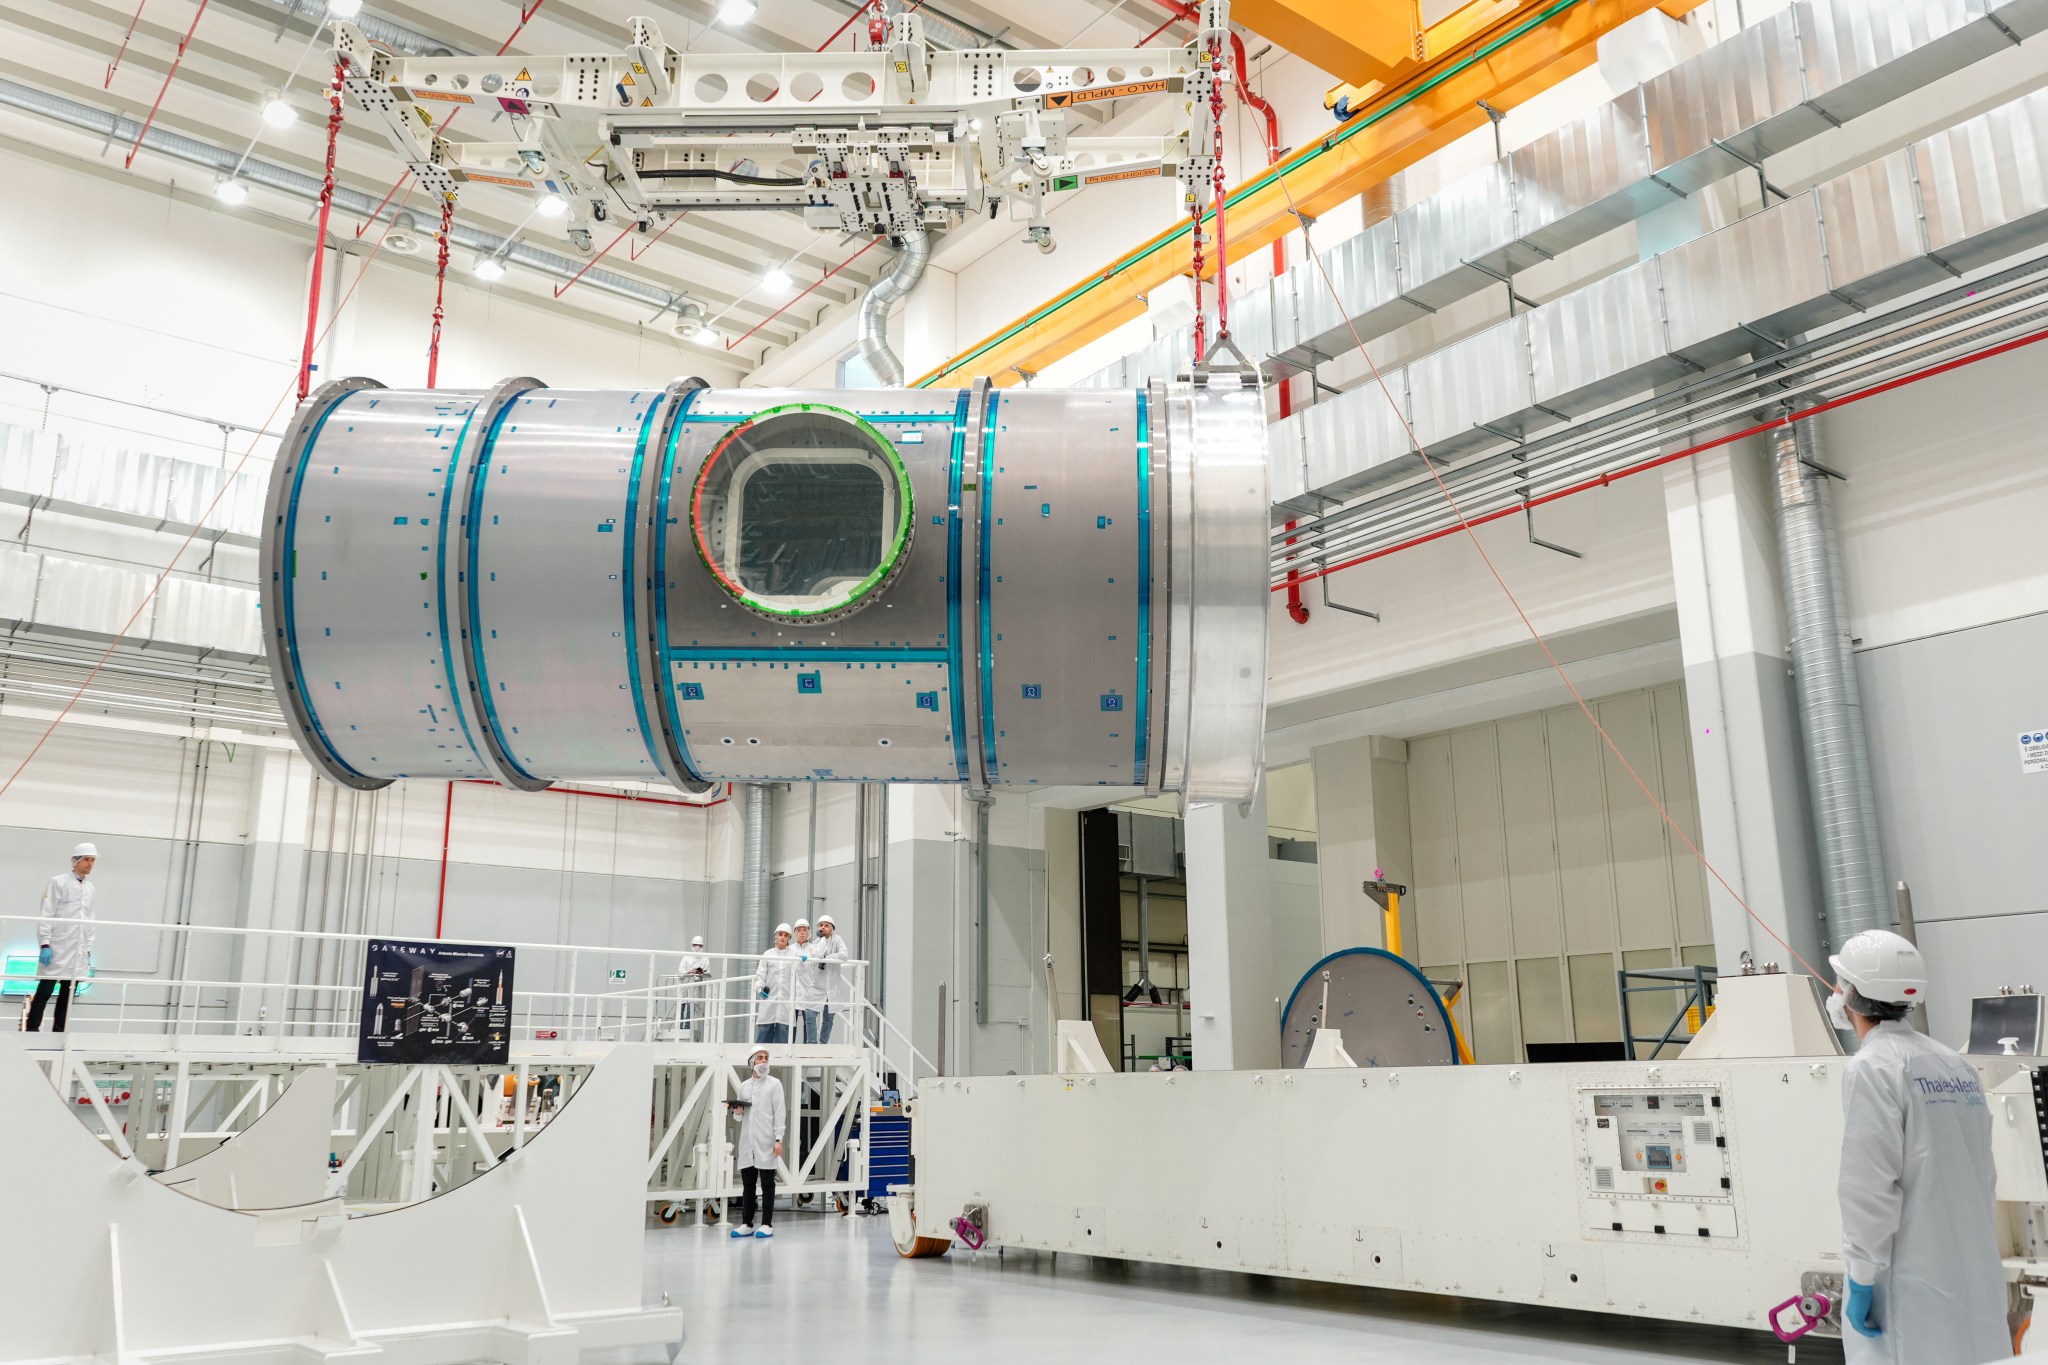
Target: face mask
1838,1014
761,1069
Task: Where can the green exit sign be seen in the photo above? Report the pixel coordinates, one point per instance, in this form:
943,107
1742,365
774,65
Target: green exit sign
618,973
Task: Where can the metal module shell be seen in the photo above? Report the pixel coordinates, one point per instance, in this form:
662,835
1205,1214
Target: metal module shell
1003,588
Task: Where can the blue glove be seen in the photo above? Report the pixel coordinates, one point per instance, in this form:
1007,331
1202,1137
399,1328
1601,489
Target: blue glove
1857,1314
47,956
764,995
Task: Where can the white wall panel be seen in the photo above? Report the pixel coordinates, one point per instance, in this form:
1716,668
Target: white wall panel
1636,836
1532,845
1482,842
1530,833
1439,898
1680,794
1585,864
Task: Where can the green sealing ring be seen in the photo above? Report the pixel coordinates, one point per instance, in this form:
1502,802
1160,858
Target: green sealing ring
892,560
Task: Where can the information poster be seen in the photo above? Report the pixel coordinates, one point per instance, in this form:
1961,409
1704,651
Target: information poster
447,1003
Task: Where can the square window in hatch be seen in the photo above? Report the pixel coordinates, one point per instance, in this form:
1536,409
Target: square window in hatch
802,512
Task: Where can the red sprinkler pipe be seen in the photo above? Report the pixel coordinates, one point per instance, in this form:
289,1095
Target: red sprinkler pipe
1659,461
447,823
320,237
111,66
169,76
806,289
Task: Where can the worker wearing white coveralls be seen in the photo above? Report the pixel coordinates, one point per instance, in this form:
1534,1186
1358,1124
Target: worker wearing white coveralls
64,937
693,971
763,1115
828,951
774,989
808,985
1918,1208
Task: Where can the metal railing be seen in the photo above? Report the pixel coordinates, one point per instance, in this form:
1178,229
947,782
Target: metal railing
211,981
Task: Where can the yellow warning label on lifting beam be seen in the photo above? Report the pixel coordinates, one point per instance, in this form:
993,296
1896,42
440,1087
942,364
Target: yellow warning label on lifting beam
524,75
498,180
1060,99
1107,176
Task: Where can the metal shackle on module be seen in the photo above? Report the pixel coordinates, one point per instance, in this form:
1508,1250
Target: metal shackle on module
997,587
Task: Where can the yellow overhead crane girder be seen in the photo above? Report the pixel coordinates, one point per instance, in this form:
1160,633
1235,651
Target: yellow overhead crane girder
1524,47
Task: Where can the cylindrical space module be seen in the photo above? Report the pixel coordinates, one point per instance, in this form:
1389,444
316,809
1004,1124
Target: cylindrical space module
1003,588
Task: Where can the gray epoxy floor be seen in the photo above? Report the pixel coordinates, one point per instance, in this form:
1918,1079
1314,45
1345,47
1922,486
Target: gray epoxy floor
833,1289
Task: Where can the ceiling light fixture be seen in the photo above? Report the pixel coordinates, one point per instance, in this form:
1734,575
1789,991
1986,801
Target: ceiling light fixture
736,11
776,281
277,113
344,9
489,269
233,193
552,206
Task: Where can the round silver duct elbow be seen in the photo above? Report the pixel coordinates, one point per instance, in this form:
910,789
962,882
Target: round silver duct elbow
912,257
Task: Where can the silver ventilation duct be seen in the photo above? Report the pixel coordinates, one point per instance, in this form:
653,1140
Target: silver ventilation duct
1830,701
911,259
757,835
1956,202
120,128
1774,86
407,41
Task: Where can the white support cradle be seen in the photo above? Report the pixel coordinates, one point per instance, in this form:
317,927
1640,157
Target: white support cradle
530,1265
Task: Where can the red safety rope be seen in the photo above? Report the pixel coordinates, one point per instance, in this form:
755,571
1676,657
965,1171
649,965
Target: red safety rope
440,284
320,238
1222,241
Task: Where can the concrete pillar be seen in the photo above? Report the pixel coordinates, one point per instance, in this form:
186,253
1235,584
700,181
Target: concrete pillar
1236,1023
1361,835
273,878
1745,725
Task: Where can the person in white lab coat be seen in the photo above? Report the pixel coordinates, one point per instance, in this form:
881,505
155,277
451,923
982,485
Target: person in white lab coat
774,990
828,950
762,1112
807,989
65,938
693,972
1917,1186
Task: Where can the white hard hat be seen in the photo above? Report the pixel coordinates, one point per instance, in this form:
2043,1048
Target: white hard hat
85,850
803,924
827,919
1883,967
782,929
697,942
